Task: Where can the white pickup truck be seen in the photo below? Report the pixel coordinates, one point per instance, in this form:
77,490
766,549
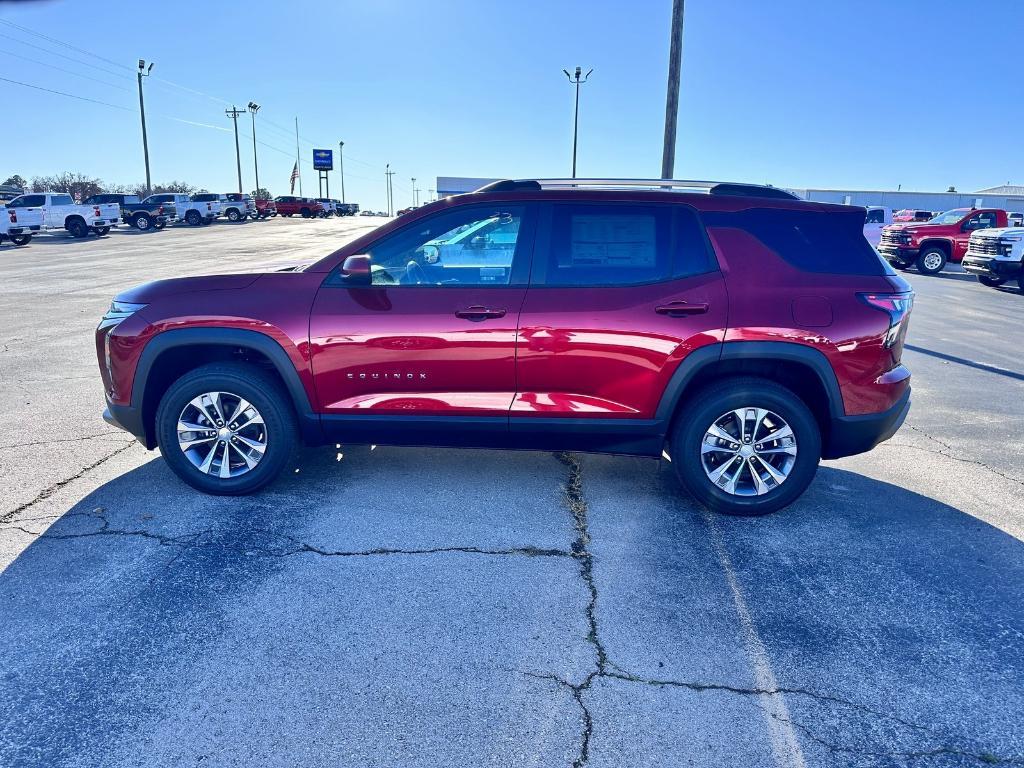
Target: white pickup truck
19,224
190,211
877,218
996,256
61,212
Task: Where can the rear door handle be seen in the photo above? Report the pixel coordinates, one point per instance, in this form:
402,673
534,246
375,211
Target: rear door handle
681,309
479,313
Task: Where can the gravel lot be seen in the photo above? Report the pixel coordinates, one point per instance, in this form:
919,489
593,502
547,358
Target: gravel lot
415,607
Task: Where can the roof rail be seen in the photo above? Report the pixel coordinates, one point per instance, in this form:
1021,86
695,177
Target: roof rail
671,185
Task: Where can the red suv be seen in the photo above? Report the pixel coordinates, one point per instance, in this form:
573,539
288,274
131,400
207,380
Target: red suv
746,333
288,205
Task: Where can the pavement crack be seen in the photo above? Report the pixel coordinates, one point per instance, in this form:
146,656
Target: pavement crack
947,452
52,489
108,433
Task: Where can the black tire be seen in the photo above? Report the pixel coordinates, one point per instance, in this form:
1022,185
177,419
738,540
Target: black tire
143,222
306,213
704,409
234,215
102,231
931,260
991,282
20,240
207,222
263,392
78,228
158,225
192,218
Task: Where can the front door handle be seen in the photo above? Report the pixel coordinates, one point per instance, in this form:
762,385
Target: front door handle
479,313
681,309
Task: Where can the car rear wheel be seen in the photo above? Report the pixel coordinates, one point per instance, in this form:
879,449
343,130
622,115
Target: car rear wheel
143,222
234,215
78,228
102,231
193,219
21,239
226,429
931,261
746,447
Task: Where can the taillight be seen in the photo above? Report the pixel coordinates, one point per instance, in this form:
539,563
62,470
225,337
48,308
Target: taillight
160,210
14,216
896,305
96,212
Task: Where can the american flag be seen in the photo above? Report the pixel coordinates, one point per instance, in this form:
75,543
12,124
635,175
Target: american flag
295,176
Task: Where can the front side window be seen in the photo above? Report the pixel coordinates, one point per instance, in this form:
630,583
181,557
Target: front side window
983,220
28,201
472,246
608,245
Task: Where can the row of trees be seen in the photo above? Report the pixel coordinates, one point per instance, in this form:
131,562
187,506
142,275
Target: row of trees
80,186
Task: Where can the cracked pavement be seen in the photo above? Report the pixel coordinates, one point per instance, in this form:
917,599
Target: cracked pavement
424,607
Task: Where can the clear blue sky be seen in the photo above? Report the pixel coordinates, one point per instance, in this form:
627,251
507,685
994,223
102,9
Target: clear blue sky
798,93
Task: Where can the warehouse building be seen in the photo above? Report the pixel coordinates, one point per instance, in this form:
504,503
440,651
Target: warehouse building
1009,197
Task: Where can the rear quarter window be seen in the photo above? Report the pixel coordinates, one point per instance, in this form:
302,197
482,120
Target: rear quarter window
812,241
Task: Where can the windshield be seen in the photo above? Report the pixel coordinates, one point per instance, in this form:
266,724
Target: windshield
949,217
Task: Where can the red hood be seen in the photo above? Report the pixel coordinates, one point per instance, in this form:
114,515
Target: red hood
159,289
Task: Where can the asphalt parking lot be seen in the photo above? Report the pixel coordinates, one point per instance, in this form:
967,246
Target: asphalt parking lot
423,607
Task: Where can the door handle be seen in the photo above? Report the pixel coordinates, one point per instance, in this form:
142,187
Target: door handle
681,309
479,313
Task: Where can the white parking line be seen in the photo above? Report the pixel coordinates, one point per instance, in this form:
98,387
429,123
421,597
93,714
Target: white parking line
785,745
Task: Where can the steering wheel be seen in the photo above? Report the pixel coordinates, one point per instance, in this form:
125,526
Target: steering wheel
414,273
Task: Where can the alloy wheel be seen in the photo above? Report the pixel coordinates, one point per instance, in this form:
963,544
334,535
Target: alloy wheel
222,434
748,451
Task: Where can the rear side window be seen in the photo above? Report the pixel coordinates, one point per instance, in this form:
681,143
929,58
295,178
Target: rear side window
62,200
812,241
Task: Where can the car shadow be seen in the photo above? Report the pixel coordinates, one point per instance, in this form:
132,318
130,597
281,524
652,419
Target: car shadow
896,620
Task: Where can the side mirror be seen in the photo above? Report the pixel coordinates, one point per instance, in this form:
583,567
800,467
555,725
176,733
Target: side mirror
356,270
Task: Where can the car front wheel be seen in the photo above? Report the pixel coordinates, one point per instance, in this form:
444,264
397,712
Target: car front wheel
746,447
226,429
931,261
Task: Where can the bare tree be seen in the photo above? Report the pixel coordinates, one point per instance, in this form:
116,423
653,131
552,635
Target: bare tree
78,185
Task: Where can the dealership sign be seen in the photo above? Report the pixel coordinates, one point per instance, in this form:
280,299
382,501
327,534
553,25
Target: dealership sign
323,159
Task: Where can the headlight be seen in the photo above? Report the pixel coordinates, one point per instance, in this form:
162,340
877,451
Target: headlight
1011,239
119,311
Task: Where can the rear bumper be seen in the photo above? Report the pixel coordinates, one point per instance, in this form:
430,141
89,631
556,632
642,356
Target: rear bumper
979,265
849,435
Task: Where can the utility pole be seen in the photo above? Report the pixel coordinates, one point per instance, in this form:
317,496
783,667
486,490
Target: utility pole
143,72
341,168
675,59
416,196
233,114
432,194
413,191
254,108
576,118
388,173
297,163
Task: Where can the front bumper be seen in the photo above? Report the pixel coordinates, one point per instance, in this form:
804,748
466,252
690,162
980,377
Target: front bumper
898,253
990,267
849,435
129,419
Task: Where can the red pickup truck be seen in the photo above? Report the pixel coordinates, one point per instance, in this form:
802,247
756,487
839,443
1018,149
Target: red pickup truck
930,245
287,205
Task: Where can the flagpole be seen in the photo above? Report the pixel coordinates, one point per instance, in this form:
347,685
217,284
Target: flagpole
297,153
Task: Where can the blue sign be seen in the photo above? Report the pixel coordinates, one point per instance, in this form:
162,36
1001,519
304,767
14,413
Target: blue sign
323,159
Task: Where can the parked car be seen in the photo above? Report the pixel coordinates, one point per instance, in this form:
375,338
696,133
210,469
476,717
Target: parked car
237,207
60,211
19,224
265,209
289,205
134,212
745,331
347,209
188,210
1015,218
329,206
212,199
911,214
876,218
996,256
933,244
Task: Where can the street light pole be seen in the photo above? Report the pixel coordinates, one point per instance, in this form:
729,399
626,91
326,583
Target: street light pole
341,168
254,108
143,72
233,114
388,173
675,58
575,78
413,191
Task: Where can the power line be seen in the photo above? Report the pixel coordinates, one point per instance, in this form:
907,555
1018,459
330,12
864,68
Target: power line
69,95
61,55
61,69
61,42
